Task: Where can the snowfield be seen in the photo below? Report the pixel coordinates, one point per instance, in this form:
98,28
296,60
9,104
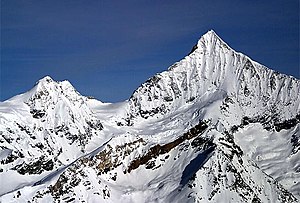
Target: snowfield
215,127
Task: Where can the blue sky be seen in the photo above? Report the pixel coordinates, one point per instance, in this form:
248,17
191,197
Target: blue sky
106,49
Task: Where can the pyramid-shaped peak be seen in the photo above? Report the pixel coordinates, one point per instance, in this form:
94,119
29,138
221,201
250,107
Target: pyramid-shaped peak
210,37
208,42
45,80
210,32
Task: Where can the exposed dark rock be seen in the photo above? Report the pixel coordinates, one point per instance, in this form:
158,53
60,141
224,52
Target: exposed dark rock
57,189
9,159
157,150
95,124
295,142
18,194
234,149
106,193
287,124
37,113
70,200
193,49
24,128
36,167
150,164
152,112
256,199
40,146
110,158
114,177
269,122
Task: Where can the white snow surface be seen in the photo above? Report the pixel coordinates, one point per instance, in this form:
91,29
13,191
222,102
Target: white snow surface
59,146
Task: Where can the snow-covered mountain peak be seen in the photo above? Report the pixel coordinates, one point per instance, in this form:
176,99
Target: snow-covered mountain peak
48,85
212,72
209,37
209,43
215,127
57,102
46,79
53,104
48,126
210,63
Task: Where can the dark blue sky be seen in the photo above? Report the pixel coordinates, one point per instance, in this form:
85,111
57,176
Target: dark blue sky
106,49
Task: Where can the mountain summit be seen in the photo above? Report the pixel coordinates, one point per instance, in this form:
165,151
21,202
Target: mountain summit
214,127
215,70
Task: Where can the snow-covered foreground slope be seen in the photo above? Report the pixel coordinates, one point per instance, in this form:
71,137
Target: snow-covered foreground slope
215,127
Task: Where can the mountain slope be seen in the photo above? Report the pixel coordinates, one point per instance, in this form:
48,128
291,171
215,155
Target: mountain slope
216,126
42,130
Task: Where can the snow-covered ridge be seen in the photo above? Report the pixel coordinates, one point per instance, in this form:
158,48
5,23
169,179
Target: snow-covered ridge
214,69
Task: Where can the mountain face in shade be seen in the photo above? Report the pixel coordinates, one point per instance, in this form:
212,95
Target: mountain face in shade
215,127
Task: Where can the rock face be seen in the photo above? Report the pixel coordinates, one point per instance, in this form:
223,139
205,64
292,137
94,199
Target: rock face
215,127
